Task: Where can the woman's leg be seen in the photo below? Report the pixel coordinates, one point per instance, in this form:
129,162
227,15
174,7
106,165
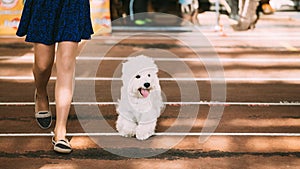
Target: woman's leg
42,67
65,65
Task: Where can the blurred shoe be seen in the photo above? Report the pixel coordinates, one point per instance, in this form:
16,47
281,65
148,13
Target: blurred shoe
44,117
267,9
234,19
61,146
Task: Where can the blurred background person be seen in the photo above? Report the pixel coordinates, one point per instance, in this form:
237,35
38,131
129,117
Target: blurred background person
247,14
265,7
189,10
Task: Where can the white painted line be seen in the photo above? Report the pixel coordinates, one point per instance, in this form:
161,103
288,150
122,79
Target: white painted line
269,60
232,134
203,32
210,103
97,78
153,28
232,38
162,79
230,79
19,78
156,134
255,36
203,59
289,47
196,35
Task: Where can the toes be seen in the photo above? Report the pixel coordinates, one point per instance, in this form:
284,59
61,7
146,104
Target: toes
144,135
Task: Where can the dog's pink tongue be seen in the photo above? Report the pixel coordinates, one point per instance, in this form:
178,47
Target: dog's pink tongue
145,93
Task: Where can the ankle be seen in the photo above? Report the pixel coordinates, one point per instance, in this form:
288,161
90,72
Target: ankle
59,134
41,102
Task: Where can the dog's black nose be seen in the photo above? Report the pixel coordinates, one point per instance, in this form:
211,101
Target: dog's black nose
147,85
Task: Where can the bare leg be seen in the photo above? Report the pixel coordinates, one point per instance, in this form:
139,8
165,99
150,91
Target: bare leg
65,64
42,67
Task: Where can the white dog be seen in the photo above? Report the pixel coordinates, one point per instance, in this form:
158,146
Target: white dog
141,101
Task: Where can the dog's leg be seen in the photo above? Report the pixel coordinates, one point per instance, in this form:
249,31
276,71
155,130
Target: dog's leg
144,131
125,127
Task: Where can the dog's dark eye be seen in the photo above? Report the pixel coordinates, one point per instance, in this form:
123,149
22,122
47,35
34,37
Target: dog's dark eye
137,76
149,75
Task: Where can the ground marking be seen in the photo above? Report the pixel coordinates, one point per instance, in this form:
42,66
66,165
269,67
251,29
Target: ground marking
162,79
229,134
156,134
210,103
203,59
289,47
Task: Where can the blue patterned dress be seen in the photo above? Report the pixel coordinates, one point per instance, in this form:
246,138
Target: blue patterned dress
51,21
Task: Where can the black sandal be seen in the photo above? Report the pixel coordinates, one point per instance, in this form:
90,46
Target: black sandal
43,118
61,146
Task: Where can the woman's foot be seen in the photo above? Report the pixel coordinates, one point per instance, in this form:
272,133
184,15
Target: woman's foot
61,145
267,9
42,113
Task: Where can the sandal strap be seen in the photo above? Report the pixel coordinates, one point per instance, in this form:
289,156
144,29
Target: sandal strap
64,143
62,146
53,141
43,114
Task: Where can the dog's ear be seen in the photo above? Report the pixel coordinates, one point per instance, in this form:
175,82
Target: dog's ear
123,67
156,70
156,83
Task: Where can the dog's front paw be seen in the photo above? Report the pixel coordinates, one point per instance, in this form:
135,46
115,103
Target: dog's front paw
127,133
144,136
143,132
126,128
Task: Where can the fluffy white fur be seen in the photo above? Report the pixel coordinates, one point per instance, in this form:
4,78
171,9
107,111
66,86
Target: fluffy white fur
141,103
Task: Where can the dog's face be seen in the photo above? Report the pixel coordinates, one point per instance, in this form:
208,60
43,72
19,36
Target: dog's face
139,78
141,91
143,83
